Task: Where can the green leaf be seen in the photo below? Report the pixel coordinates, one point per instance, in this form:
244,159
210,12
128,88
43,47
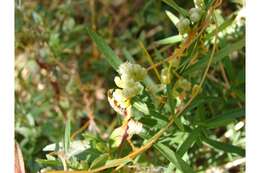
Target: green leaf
178,123
49,162
103,47
142,107
225,118
189,141
172,102
67,135
175,6
229,68
169,168
117,162
170,40
229,49
172,17
224,147
173,158
100,161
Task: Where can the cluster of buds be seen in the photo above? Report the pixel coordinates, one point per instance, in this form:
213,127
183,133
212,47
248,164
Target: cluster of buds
129,81
183,25
166,72
195,15
181,87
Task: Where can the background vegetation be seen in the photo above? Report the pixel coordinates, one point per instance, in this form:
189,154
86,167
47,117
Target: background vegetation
64,68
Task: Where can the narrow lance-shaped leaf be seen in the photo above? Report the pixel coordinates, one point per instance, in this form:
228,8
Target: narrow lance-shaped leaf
103,47
173,158
49,162
224,147
172,17
170,40
175,6
225,118
100,161
189,141
67,135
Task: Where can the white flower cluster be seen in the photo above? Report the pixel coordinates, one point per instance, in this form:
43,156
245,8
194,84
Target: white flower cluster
129,80
183,25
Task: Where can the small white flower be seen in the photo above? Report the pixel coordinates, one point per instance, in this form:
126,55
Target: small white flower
119,82
134,127
133,89
124,82
119,103
119,97
124,68
138,73
129,80
132,71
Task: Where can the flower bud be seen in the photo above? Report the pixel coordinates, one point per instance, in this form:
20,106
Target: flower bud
165,76
132,71
183,84
195,14
183,25
133,89
196,89
138,73
124,68
199,3
118,82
